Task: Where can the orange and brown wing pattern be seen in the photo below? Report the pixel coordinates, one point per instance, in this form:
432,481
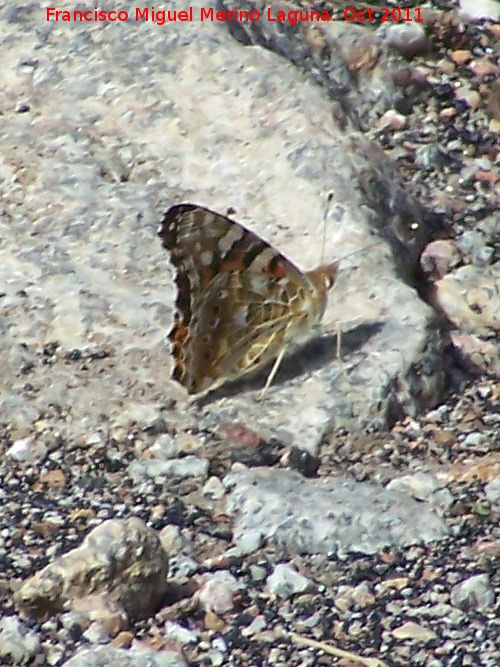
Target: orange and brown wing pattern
238,299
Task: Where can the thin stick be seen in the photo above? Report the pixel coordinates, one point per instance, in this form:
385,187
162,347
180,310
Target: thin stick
338,652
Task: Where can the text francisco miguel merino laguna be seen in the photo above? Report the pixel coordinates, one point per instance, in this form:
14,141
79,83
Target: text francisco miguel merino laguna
161,16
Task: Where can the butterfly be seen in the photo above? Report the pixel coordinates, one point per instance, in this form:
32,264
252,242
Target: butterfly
240,303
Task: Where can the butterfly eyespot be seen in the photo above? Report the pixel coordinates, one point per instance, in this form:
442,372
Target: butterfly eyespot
275,268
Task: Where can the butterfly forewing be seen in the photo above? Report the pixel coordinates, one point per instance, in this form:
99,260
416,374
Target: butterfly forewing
238,299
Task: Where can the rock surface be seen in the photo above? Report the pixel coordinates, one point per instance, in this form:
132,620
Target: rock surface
325,515
18,644
121,559
107,656
88,285
104,126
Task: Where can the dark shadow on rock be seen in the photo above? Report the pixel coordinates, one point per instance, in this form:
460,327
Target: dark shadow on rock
313,355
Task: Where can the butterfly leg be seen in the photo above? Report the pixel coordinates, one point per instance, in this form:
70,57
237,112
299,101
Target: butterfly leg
272,374
339,351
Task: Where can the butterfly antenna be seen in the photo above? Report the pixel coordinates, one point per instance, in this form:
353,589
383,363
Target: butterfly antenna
355,252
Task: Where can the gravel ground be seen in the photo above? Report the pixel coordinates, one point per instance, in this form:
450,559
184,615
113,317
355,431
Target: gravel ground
233,597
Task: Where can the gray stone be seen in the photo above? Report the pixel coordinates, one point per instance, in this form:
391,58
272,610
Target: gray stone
474,593
285,581
27,450
94,276
420,485
324,515
107,656
179,633
474,440
408,38
492,492
181,567
217,592
189,466
470,298
473,10
165,447
18,644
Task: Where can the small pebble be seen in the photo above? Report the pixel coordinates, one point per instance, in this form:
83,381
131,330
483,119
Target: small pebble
27,450
217,593
414,631
285,581
408,38
474,593
180,633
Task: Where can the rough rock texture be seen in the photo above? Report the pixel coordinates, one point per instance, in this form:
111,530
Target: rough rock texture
122,559
107,656
86,277
105,125
18,644
370,79
470,297
324,516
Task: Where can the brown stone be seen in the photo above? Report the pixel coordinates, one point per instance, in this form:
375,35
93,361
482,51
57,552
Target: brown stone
414,631
55,479
123,639
103,610
122,559
213,622
461,56
444,437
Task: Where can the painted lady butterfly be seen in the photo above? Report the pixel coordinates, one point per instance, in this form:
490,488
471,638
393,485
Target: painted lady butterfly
240,303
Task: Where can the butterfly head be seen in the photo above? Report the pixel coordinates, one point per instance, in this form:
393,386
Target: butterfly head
324,277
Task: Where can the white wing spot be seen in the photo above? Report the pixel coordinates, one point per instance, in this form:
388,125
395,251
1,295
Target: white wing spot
233,234
206,257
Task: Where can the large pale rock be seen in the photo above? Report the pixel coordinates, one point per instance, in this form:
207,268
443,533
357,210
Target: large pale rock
108,656
184,112
324,515
120,559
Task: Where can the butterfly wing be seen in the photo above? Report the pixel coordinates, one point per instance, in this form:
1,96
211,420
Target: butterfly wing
238,299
